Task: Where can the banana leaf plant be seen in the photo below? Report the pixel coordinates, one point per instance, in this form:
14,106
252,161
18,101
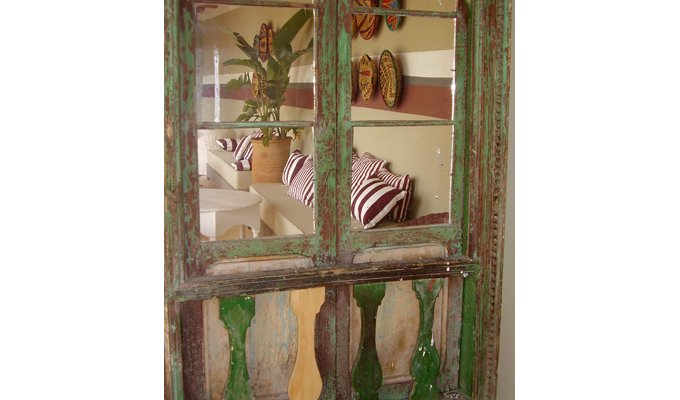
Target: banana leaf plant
269,80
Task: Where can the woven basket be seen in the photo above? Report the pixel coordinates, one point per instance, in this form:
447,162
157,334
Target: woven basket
268,162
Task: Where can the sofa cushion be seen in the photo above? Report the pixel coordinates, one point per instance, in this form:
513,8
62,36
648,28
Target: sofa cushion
228,144
302,185
293,166
401,182
364,167
373,200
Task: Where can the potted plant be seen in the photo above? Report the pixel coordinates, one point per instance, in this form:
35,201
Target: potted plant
270,58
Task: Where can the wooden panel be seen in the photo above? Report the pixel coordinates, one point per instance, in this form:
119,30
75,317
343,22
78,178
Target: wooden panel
425,362
271,345
305,381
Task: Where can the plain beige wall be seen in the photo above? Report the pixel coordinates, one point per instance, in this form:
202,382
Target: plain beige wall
506,362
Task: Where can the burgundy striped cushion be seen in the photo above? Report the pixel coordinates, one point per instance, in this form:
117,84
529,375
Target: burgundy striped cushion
302,185
374,199
228,144
401,182
243,165
293,166
364,167
244,148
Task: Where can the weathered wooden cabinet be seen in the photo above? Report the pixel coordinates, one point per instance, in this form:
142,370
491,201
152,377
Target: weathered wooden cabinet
404,312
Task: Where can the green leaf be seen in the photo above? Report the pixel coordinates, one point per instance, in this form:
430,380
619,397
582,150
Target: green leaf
285,35
251,52
237,83
254,65
274,69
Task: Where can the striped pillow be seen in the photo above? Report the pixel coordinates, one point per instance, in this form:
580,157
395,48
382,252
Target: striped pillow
401,182
293,166
244,148
302,185
364,167
243,165
227,144
374,200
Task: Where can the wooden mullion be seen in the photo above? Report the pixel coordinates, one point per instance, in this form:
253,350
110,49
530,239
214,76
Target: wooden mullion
271,281
397,123
187,151
261,3
356,9
345,131
325,138
215,251
440,233
254,124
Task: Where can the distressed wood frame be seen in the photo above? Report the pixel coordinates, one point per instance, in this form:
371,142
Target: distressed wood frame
484,38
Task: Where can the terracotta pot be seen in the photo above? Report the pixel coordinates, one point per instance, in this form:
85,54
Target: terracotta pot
268,162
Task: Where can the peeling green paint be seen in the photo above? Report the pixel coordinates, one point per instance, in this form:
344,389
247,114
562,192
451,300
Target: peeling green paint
367,373
425,361
236,314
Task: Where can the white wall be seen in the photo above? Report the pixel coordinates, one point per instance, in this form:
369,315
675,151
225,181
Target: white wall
506,362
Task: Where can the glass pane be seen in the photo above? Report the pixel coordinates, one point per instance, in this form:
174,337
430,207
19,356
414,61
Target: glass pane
271,79
243,191
416,168
407,73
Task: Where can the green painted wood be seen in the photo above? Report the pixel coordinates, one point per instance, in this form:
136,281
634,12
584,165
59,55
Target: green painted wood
344,128
425,361
467,340
236,314
215,251
370,238
461,150
325,173
379,123
271,281
253,124
367,373
402,12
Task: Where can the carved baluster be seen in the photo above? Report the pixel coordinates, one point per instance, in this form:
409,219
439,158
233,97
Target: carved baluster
236,313
366,373
305,381
425,361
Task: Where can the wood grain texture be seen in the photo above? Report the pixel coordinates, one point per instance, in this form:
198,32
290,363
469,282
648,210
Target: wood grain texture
366,372
305,381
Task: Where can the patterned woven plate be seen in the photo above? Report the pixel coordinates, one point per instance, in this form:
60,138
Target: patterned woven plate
392,21
266,41
390,79
366,24
368,77
355,80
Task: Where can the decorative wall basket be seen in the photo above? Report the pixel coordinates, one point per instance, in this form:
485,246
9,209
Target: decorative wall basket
366,24
390,79
266,40
368,76
355,80
392,21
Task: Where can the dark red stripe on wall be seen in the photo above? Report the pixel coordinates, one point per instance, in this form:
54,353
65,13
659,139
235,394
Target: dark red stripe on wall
425,100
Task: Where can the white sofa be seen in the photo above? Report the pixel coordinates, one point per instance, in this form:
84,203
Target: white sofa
219,169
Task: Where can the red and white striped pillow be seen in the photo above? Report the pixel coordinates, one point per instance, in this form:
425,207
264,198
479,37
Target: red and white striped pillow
293,166
228,144
302,185
244,148
364,167
401,182
243,165
374,199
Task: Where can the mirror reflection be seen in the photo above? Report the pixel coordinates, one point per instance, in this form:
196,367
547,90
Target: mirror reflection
398,75
254,63
405,183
